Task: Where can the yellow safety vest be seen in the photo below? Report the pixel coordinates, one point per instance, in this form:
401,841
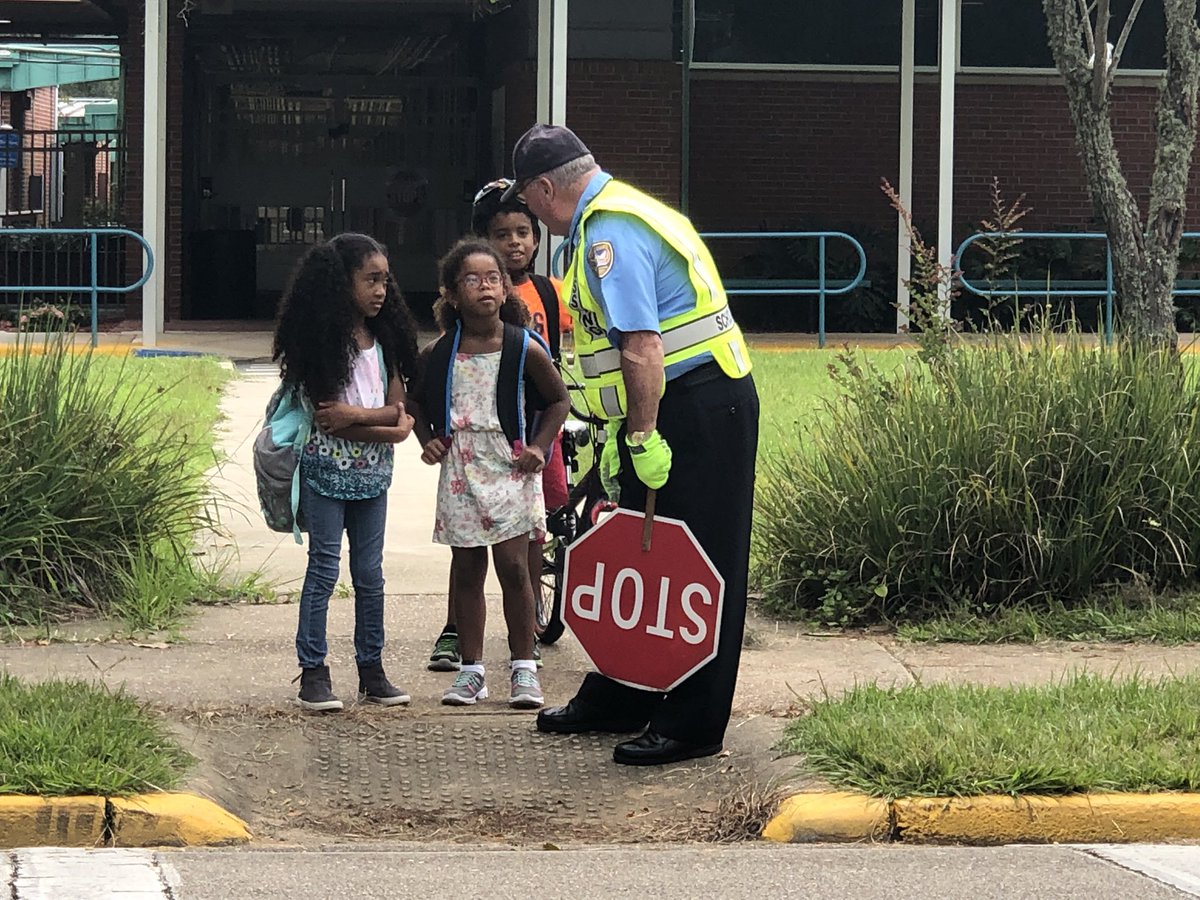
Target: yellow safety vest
707,328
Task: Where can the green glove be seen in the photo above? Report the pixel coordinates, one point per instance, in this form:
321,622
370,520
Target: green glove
651,455
610,465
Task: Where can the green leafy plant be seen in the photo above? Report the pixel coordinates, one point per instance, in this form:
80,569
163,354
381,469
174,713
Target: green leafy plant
931,289
97,475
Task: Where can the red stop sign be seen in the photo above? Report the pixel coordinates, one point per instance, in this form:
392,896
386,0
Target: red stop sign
648,619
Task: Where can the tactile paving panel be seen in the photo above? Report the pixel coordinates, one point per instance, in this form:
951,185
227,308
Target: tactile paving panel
475,762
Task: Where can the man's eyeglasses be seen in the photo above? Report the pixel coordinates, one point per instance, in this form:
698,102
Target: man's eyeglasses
475,282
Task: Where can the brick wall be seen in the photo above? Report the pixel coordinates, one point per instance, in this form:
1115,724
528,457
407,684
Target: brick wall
42,115
776,154
627,112
169,260
780,154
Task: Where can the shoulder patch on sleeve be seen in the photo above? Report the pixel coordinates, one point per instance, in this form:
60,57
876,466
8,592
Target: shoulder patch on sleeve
600,257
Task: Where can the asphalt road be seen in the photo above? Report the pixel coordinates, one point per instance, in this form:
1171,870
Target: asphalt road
749,871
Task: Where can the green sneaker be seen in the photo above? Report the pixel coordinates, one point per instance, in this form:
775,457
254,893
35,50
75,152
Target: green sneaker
445,656
537,654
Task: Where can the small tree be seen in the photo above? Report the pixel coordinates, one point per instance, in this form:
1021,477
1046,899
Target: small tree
1145,251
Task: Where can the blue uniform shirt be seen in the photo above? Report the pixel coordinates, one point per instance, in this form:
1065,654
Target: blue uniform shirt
638,278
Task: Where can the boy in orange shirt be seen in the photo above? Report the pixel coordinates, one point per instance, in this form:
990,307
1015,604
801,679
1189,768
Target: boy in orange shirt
513,232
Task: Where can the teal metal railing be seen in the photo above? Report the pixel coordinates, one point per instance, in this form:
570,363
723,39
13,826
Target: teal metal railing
821,287
93,286
1066,287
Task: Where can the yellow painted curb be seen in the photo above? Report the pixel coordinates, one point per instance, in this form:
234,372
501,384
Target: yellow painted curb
51,821
989,819
173,820
1090,818
836,816
102,350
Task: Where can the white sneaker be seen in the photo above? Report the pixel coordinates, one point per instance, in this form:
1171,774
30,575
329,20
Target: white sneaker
468,688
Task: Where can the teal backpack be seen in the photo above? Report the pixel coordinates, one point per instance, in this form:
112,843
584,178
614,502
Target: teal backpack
277,449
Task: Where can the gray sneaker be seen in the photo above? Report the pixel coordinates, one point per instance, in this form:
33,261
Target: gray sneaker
468,688
526,690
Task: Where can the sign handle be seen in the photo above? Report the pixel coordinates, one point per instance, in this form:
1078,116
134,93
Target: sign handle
648,523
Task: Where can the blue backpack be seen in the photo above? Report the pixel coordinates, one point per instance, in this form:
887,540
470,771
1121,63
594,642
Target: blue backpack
277,449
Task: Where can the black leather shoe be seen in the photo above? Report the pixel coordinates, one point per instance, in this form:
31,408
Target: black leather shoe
576,719
652,749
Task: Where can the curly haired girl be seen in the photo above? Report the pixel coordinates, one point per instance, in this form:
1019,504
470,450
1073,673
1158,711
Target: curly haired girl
346,340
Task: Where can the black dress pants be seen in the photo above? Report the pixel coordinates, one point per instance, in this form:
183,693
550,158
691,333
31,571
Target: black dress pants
711,423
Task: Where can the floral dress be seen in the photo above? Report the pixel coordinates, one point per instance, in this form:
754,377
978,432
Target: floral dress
483,499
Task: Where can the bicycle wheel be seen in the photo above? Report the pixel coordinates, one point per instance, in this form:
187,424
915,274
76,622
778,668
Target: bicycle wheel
549,600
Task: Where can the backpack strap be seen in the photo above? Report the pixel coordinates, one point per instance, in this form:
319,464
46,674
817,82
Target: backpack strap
510,385
300,399
434,392
549,297
512,393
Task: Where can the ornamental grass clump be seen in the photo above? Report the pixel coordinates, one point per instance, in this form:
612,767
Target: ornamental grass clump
1005,473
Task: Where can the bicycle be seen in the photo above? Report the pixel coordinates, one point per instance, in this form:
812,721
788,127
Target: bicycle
565,525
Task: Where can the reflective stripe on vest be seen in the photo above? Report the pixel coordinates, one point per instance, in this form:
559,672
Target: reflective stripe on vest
675,340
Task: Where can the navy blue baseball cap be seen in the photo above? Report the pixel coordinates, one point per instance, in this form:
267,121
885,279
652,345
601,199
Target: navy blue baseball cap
540,149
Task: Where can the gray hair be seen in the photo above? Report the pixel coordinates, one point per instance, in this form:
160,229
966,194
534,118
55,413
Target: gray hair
568,173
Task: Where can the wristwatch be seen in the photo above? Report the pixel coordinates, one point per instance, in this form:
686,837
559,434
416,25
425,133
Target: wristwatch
635,439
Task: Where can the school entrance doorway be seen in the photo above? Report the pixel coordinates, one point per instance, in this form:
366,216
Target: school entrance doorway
302,124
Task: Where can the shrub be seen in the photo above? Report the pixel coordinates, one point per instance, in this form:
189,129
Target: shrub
91,478
996,476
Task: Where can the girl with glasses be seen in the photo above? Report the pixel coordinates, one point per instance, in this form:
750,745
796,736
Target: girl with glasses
491,404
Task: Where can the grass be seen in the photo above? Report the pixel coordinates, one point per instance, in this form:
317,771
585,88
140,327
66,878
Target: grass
70,737
1084,733
1108,617
791,387
186,391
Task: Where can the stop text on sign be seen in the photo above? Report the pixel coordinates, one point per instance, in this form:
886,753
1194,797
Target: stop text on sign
625,601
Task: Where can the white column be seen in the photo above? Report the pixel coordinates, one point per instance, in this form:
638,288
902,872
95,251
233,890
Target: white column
154,168
907,68
551,88
947,67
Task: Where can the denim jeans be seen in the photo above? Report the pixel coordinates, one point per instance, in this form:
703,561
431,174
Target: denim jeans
363,521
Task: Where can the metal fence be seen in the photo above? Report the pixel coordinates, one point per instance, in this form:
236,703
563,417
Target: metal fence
63,178
1100,289
822,286
89,253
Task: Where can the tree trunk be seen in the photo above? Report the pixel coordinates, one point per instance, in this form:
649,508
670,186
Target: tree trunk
1175,131
1145,259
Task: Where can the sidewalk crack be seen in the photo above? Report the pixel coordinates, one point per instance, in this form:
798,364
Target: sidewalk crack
913,675
163,878
15,864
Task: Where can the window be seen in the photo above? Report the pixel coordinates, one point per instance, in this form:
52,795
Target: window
290,225
1011,34
858,34
848,33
